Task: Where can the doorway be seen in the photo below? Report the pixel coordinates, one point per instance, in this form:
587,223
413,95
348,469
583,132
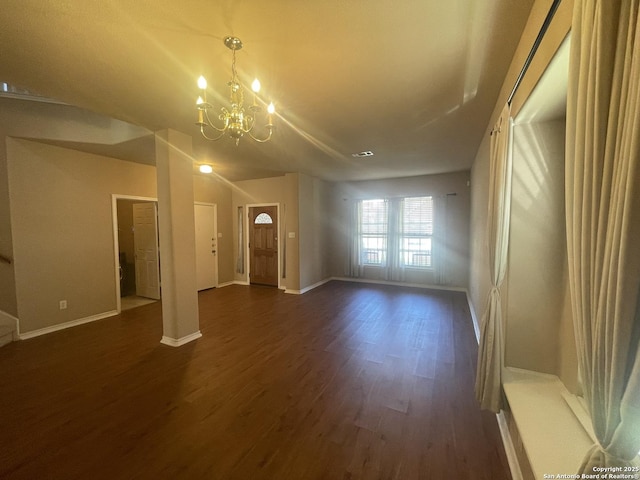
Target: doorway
137,258
206,223
136,251
147,253
263,245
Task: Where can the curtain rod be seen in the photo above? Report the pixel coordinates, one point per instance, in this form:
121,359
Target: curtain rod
534,48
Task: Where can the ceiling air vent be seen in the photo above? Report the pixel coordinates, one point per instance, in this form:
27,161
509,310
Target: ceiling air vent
368,153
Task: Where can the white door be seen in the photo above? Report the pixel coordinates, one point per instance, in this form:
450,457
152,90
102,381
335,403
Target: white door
206,246
145,242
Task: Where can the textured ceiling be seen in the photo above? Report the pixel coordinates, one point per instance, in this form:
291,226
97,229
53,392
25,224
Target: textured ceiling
414,81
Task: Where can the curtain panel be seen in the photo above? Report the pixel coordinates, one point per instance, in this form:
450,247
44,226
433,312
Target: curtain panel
395,270
354,269
441,253
490,349
240,246
603,221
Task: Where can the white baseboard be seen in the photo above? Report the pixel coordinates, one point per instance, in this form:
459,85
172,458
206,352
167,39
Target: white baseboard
507,441
474,317
365,280
509,449
426,286
225,284
65,325
173,342
310,287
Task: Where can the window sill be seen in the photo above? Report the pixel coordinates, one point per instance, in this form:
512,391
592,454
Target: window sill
417,269
554,440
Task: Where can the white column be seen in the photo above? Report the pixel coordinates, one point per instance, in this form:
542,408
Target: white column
177,238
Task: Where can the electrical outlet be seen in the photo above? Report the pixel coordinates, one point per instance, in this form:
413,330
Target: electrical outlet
63,304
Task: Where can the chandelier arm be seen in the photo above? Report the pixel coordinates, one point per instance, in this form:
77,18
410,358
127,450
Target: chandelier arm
211,138
211,124
250,122
263,140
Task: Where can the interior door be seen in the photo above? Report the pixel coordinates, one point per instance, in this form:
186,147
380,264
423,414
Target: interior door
263,245
206,247
145,242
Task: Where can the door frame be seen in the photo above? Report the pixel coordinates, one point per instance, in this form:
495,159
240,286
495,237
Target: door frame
116,247
215,232
248,207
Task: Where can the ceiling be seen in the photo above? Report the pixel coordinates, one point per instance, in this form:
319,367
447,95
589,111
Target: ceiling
413,81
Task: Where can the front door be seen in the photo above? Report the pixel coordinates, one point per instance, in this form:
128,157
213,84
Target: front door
263,245
145,243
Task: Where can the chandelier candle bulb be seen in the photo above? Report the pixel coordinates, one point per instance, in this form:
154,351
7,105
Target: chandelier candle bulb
271,109
202,85
255,86
199,102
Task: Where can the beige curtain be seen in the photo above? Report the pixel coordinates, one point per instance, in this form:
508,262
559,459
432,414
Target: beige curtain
395,269
490,350
354,268
603,220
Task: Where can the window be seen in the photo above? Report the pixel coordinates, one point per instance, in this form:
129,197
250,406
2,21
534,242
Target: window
263,218
417,230
396,232
374,224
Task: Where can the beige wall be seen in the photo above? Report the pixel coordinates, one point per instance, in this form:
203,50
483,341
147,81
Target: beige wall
208,189
264,191
55,212
479,281
314,222
61,212
290,233
450,188
62,229
313,216
8,301
535,285
28,119
528,340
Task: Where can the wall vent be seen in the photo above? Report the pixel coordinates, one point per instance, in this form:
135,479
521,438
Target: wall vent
368,153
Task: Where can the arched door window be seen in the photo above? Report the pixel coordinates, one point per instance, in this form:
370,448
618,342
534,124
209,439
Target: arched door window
263,218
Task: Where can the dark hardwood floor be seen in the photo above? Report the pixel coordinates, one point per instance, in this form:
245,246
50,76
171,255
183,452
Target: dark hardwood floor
348,381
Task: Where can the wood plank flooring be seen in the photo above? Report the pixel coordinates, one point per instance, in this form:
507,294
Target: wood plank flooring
348,381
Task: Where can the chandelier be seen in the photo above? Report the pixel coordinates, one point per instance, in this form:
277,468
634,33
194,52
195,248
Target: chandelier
234,121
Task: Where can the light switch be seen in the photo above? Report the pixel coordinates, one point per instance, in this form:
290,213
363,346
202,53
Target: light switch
292,234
